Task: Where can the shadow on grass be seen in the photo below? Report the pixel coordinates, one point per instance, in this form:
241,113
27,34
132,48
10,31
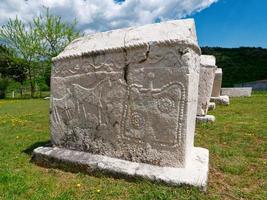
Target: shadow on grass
30,149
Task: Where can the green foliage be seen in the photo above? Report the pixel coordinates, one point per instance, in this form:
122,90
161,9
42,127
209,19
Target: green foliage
4,55
21,38
236,142
3,86
15,69
55,34
33,45
240,64
25,42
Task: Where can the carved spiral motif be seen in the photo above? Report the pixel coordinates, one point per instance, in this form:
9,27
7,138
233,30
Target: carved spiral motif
165,105
137,120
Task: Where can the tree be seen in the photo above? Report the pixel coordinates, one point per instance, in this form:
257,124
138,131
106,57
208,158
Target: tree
12,67
55,34
240,65
37,42
4,54
25,42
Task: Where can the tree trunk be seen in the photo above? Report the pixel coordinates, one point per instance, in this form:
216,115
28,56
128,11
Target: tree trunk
21,91
32,84
2,94
32,89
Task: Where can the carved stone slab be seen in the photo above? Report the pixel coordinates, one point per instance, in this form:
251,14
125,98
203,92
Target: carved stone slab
206,78
221,100
129,94
217,84
205,119
216,90
212,106
237,92
195,174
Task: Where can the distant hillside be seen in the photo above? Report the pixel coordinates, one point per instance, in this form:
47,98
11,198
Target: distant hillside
240,64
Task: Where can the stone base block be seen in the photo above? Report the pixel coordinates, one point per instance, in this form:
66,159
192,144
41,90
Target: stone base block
222,100
212,106
237,92
195,173
205,119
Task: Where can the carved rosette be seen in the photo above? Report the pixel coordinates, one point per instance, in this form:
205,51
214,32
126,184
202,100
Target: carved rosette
166,105
154,114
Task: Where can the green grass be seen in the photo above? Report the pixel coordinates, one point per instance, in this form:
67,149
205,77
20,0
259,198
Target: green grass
27,94
237,144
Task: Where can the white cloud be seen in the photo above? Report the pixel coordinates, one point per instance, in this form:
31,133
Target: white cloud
100,15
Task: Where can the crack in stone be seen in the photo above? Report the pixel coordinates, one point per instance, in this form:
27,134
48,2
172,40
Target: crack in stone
146,55
126,64
125,72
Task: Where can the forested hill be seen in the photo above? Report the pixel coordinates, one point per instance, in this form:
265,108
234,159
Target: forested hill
239,65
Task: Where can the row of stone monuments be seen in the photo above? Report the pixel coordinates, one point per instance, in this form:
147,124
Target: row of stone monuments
209,89
125,102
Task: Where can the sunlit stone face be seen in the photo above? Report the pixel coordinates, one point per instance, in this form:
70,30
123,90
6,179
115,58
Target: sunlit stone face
206,79
129,93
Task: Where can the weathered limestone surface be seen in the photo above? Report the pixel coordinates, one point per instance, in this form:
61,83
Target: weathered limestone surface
129,95
222,100
217,84
205,119
206,78
216,90
237,92
212,106
195,174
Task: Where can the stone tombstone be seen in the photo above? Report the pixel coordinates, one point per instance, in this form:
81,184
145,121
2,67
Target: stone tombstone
216,90
130,95
212,106
217,84
237,91
206,78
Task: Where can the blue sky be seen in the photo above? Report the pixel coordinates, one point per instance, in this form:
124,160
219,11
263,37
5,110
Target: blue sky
233,23
225,23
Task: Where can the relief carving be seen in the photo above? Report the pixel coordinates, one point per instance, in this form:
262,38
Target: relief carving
154,114
144,109
62,108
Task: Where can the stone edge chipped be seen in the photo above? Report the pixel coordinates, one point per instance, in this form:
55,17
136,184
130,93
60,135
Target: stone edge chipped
194,174
130,46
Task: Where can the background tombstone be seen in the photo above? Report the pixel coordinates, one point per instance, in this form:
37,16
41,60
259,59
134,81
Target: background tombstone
212,106
125,102
216,90
237,91
217,84
206,78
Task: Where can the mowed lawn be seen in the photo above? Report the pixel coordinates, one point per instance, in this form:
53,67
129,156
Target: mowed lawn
238,158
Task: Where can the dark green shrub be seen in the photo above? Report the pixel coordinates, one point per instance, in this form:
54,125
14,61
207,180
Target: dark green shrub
3,86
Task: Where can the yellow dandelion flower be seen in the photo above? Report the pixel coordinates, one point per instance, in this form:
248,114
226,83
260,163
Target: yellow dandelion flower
78,185
98,190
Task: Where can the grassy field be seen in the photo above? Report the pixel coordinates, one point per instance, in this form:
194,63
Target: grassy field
27,95
238,158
